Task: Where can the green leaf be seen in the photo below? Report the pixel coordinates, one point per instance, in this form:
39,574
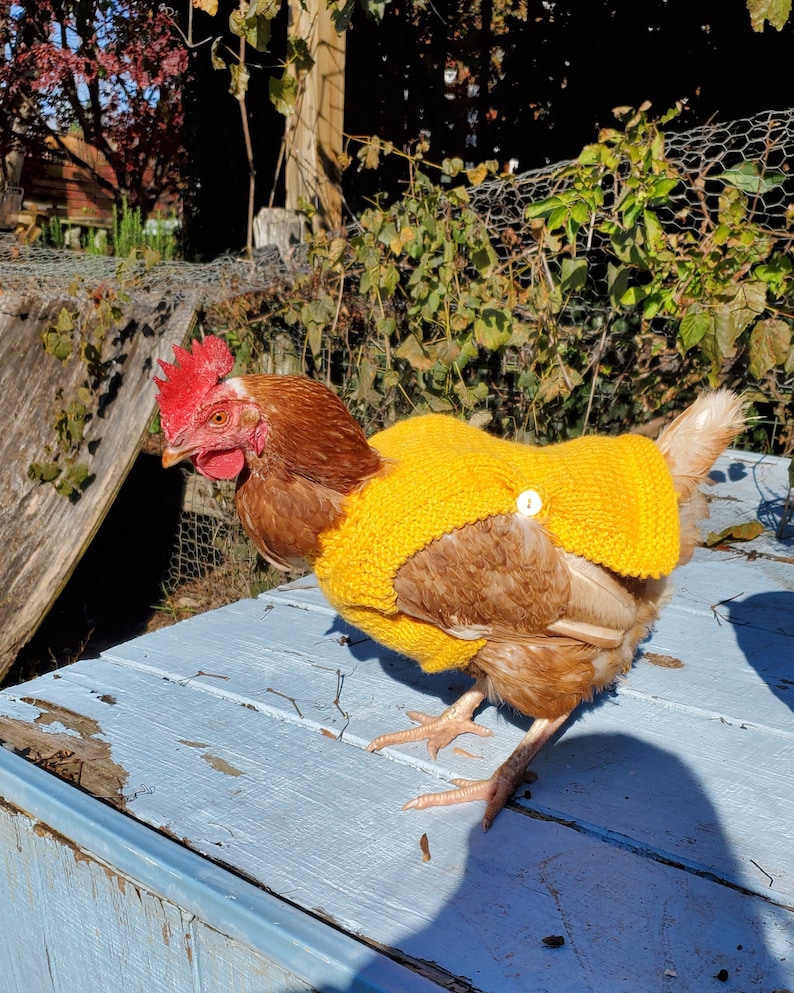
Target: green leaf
633,296
580,212
386,326
452,167
777,12
542,208
739,309
751,177
654,232
573,276
557,218
661,189
693,327
283,93
341,16
439,405
775,273
298,55
617,283
483,258
314,333
770,345
390,279
626,246
253,22
58,345
65,322
492,328
44,472
58,338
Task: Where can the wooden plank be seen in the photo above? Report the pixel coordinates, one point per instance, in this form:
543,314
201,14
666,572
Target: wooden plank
105,903
42,533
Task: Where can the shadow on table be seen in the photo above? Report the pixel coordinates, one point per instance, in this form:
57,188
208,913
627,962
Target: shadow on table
764,626
645,896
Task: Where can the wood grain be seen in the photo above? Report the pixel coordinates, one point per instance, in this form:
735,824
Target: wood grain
43,534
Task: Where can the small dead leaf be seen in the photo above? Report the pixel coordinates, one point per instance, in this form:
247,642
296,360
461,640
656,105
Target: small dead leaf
210,6
554,941
736,532
424,844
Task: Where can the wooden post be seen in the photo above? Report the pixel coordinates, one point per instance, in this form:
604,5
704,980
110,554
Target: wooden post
314,131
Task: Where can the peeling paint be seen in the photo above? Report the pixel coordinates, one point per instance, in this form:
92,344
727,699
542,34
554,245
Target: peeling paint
221,765
70,745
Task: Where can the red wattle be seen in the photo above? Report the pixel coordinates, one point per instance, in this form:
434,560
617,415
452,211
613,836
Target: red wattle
220,465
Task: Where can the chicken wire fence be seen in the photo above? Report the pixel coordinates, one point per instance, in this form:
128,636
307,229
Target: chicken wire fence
213,562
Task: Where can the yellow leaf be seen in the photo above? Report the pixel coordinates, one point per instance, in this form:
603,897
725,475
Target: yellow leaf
737,532
415,354
208,6
478,174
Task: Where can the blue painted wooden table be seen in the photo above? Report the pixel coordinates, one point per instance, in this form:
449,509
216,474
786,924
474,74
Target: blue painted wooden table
230,832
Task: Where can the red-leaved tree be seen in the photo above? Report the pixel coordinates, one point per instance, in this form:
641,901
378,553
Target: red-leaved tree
109,69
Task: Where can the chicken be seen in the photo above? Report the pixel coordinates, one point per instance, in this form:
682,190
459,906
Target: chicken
537,570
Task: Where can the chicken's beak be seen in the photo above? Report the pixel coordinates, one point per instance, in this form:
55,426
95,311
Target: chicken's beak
174,454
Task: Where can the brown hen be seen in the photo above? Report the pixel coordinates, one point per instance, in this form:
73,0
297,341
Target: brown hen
537,571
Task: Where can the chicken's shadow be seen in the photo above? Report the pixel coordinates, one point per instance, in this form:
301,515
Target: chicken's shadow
764,625
445,687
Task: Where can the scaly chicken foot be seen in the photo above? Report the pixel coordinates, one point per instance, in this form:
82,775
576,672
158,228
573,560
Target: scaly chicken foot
498,788
439,731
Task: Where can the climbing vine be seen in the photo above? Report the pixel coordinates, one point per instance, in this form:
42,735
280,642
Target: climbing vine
77,334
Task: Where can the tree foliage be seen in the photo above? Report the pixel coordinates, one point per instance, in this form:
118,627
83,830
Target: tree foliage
616,300
109,69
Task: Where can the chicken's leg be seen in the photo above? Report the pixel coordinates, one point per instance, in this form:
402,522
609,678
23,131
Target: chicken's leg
496,790
439,731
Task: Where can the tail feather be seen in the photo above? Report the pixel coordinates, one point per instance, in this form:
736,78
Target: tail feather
692,442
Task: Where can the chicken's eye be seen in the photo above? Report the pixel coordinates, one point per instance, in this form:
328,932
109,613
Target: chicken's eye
218,418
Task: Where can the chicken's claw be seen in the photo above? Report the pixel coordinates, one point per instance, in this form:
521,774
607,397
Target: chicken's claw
496,791
438,731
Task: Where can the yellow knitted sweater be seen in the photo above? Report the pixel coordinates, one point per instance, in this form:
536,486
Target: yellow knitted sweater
610,500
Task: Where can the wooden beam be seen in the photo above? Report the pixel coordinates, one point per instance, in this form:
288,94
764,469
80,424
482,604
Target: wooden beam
43,534
314,131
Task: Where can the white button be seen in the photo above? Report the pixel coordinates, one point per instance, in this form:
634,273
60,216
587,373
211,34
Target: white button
529,503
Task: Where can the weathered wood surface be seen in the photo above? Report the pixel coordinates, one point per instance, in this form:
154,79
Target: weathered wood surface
314,138
656,840
42,533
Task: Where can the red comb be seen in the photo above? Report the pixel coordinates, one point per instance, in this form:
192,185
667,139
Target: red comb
188,383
